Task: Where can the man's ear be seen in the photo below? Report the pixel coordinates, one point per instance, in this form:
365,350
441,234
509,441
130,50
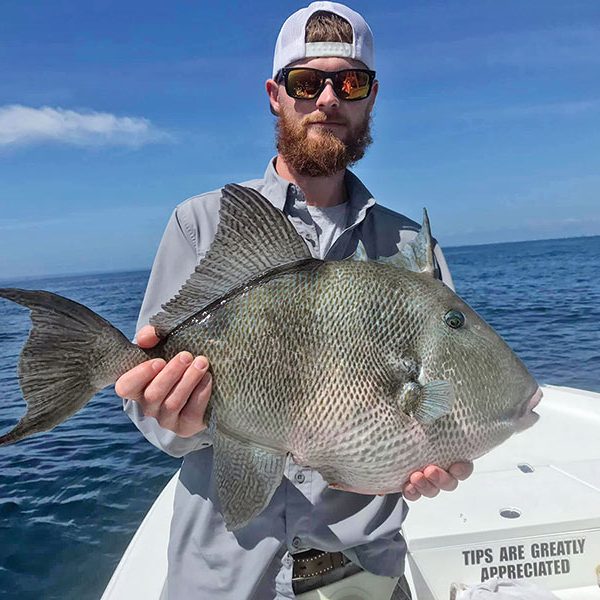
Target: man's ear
373,94
273,92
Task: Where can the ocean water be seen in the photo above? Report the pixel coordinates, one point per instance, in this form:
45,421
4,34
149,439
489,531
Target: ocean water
71,499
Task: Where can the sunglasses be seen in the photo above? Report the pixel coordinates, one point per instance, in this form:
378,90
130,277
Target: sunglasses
303,83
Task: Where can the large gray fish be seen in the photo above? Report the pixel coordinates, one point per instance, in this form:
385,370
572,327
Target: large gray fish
363,370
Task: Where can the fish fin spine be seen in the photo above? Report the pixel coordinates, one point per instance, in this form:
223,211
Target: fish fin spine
360,254
417,255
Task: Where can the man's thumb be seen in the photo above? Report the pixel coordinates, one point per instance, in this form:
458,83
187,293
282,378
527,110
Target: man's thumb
146,337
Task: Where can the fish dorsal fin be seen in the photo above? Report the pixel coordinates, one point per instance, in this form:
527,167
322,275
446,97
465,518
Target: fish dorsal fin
418,254
253,238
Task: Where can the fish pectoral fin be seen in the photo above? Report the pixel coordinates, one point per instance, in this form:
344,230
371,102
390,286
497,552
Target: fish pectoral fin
246,476
436,399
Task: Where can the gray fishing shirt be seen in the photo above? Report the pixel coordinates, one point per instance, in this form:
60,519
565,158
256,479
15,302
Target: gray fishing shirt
206,560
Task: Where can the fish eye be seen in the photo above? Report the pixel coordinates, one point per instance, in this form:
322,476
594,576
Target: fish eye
454,319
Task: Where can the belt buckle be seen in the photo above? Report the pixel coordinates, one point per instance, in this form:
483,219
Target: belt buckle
311,563
313,569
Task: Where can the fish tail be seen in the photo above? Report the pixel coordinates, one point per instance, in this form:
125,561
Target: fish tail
71,354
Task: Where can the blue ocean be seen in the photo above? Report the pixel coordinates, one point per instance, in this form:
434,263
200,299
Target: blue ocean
71,499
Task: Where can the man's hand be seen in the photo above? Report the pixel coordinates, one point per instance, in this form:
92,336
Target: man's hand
432,479
174,393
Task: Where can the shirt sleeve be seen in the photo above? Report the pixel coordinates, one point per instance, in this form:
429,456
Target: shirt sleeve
175,261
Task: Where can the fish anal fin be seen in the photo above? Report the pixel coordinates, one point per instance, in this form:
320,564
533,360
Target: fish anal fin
246,476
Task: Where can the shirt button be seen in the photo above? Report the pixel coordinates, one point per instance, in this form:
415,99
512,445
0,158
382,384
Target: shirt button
300,477
296,542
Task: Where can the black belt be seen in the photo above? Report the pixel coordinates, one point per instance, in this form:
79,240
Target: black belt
315,568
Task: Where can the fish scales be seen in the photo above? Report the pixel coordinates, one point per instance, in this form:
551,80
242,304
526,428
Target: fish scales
303,380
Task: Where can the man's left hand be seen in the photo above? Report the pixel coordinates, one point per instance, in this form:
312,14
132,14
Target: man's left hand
432,479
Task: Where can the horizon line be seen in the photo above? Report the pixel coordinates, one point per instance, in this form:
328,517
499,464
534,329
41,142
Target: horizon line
25,278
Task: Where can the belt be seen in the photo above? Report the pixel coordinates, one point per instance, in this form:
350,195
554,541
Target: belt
315,568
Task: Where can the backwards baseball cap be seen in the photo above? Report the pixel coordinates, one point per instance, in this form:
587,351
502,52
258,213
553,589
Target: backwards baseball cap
291,44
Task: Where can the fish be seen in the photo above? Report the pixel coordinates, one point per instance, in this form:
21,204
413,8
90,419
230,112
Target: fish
364,370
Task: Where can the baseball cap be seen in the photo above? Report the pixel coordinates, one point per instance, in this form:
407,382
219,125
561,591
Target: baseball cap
291,45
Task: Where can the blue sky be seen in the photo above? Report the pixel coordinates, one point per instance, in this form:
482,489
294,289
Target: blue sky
112,112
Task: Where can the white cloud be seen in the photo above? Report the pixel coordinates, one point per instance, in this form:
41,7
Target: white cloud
21,125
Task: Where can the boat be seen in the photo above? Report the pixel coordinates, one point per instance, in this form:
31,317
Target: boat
530,511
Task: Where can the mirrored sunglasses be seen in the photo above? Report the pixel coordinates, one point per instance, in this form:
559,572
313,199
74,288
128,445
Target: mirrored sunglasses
303,83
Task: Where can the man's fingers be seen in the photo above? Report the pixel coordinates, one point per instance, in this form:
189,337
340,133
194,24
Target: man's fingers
440,478
175,393
432,479
146,337
423,485
181,393
461,470
160,387
410,492
132,384
191,417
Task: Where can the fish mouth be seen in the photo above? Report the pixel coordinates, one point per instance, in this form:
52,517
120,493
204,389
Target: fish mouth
535,399
528,417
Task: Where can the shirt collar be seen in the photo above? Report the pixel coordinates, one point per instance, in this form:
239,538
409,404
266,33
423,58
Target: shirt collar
275,187
359,197
278,190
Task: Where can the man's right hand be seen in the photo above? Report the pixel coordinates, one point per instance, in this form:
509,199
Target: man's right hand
174,393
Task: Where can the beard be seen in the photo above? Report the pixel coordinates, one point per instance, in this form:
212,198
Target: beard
323,154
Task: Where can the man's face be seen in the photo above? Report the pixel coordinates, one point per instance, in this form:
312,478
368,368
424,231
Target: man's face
325,135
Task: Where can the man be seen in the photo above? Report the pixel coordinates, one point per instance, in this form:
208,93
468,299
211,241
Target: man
322,91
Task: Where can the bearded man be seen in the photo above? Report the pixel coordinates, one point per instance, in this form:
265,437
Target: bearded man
322,91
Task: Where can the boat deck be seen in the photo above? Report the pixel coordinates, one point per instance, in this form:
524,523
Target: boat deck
531,510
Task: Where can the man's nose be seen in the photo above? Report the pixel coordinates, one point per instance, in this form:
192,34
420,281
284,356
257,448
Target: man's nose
327,98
